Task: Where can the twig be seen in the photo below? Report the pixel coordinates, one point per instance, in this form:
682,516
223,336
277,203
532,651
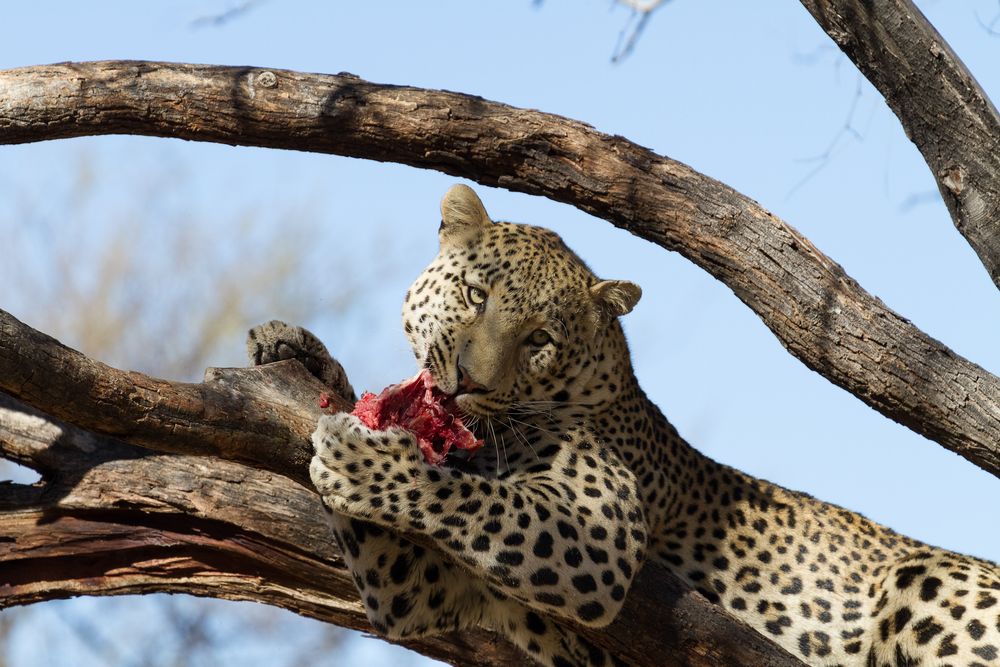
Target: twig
635,26
224,17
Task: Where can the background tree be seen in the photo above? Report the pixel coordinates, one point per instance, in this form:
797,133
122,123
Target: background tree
849,495
119,306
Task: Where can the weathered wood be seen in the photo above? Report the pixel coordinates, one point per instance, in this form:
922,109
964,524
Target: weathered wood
111,518
250,414
816,310
942,107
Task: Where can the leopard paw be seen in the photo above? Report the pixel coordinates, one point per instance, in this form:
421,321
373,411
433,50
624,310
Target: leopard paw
277,341
356,469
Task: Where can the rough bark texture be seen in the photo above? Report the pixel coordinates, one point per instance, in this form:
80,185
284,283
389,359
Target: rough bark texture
111,518
818,312
942,108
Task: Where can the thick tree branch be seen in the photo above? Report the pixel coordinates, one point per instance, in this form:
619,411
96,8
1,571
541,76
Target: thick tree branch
250,415
111,518
818,312
941,106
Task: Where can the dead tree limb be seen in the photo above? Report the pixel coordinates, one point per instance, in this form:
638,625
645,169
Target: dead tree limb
113,519
941,106
110,518
816,310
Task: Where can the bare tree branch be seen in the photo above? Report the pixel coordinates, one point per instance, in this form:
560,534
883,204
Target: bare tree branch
941,106
641,12
990,26
222,18
820,314
111,518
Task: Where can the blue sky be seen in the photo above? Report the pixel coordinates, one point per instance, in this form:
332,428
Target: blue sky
753,94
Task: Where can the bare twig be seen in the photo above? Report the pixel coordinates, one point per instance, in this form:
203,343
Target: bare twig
847,129
990,26
222,18
641,12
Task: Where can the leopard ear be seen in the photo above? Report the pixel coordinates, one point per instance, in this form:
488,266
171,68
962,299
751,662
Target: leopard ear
462,212
615,298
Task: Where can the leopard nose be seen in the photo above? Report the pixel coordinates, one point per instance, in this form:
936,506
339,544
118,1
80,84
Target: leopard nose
466,385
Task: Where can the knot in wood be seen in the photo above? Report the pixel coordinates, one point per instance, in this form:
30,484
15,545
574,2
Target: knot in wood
267,80
953,178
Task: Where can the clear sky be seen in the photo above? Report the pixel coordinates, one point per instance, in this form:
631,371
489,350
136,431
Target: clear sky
753,94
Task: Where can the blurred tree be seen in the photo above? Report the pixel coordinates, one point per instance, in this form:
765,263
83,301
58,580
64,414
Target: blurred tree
107,285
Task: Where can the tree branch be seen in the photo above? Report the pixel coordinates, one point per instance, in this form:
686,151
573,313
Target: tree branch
820,314
111,518
943,109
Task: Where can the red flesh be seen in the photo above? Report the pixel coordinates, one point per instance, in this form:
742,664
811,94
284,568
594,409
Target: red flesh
418,406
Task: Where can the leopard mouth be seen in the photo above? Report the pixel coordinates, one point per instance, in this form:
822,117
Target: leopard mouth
473,402
465,406
454,402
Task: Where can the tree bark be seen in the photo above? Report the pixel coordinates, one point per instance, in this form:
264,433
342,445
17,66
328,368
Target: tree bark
816,310
943,109
110,518
113,519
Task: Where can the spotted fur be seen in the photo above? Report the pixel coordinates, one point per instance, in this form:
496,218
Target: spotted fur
582,478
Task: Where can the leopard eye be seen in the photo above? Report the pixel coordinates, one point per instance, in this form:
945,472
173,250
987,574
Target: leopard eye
476,296
539,338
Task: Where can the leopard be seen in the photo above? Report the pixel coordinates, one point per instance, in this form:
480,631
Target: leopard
582,480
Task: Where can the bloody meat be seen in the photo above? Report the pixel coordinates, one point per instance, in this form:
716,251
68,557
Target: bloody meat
418,406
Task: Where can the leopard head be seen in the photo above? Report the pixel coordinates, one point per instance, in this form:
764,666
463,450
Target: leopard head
507,315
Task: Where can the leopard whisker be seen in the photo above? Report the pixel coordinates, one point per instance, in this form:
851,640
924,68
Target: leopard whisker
489,424
534,426
518,434
503,443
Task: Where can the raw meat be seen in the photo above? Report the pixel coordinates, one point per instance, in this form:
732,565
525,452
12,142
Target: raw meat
418,406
